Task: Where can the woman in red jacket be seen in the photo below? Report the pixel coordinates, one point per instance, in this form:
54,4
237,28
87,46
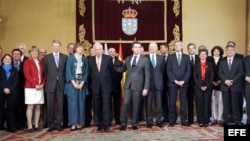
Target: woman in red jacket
34,84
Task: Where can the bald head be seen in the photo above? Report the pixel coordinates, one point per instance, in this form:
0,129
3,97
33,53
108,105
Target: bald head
112,52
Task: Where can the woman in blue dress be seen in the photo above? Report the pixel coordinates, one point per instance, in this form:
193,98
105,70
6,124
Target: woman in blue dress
76,86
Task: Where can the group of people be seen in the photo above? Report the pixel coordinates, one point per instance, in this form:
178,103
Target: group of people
62,90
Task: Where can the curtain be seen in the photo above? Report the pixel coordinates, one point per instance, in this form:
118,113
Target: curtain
124,21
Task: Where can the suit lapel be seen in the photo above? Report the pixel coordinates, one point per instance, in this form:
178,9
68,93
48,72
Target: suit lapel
139,61
248,60
102,62
95,64
129,62
53,58
158,61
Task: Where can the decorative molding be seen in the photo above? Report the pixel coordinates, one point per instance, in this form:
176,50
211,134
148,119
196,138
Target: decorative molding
82,7
81,29
177,37
176,7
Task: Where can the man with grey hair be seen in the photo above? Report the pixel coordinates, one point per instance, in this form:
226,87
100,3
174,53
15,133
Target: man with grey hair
101,69
54,66
156,85
22,47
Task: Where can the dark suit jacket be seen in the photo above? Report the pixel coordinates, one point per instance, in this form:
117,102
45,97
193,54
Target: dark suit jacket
235,74
165,76
196,61
102,79
11,83
176,72
247,72
157,73
239,56
208,78
117,76
138,78
25,58
52,73
21,78
216,71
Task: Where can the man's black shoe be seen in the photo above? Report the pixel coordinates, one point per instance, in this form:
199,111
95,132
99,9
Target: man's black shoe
185,124
99,128
86,126
50,130
164,120
171,125
59,128
134,127
107,129
159,125
149,125
123,128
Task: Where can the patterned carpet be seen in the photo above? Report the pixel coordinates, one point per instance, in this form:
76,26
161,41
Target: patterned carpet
178,132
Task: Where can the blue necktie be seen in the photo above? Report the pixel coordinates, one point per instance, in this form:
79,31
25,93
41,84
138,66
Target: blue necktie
57,60
134,62
153,61
229,64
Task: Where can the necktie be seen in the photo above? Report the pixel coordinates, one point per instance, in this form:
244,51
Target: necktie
179,59
134,62
57,60
98,63
153,61
16,64
229,64
192,60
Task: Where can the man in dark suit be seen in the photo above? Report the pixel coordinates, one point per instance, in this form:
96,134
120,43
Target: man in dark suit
231,72
247,83
194,59
54,66
20,106
164,48
116,91
89,98
178,71
101,69
156,85
242,93
142,105
136,85
22,47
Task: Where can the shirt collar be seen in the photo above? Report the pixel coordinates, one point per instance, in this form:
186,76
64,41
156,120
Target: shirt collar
54,53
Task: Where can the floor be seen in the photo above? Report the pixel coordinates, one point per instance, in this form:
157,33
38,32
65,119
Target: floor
176,133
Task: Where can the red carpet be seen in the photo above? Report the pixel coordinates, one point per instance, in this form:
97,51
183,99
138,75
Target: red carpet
178,132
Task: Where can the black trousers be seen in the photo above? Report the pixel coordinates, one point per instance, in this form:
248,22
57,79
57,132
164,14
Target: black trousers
102,108
10,110
203,102
88,108
173,92
231,102
190,103
55,119
115,106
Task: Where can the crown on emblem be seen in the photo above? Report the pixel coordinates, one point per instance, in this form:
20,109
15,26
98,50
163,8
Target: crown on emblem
129,13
